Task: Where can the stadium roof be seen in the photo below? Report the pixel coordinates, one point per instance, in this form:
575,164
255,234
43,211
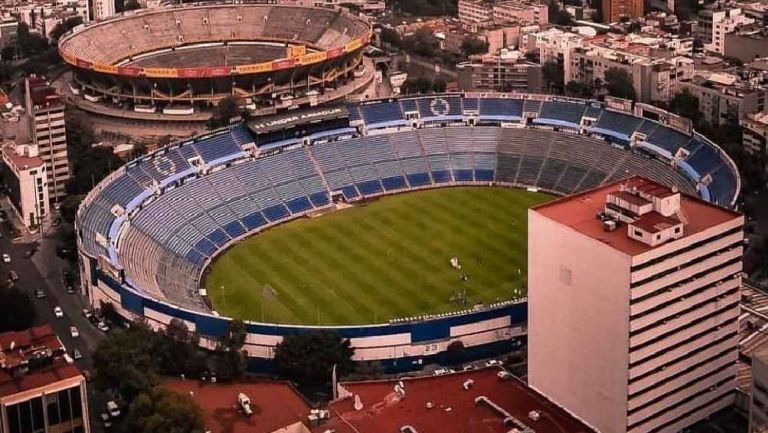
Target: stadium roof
578,211
275,404
452,405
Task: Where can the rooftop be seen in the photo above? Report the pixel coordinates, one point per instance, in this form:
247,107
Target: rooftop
383,410
22,161
32,359
579,212
275,404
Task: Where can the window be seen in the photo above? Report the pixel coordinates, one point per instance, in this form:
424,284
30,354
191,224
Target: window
638,233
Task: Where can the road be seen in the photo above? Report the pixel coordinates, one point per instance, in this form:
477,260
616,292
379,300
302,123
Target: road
44,270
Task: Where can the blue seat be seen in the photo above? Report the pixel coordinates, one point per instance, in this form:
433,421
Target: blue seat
299,204
463,175
205,246
319,199
484,175
394,183
350,192
218,237
195,257
419,179
254,221
234,229
369,187
276,212
441,176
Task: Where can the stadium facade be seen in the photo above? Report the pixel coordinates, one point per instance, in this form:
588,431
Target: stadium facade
174,64
147,233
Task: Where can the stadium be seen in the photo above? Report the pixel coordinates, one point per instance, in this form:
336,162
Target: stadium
174,64
169,235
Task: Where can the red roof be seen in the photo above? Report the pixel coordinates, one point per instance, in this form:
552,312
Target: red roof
453,408
275,404
578,211
20,349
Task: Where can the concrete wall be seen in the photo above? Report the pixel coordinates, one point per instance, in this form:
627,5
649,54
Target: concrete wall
578,322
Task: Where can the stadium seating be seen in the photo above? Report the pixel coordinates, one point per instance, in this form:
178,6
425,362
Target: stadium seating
189,218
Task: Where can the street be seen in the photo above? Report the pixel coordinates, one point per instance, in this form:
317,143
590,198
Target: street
44,271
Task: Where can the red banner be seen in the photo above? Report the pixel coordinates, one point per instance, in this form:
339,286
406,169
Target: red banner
129,71
282,64
83,64
336,52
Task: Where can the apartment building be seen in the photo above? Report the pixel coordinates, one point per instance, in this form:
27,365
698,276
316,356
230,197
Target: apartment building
507,71
479,13
633,306
728,96
40,390
25,176
45,116
615,10
755,136
716,22
656,73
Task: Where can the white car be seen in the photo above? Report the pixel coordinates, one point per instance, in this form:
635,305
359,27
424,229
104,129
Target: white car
443,371
6,258
73,332
58,312
492,362
103,327
113,409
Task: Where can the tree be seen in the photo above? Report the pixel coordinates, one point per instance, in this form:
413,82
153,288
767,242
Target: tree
553,76
131,5
228,109
90,168
30,44
618,83
577,89
685,104
422,43
455,353
125,361
391,37
177,351
558,15
229,361
65,26
160,410
471,45
17,310
425,7
69,206
308,358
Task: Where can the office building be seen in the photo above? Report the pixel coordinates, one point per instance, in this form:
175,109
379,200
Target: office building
633,307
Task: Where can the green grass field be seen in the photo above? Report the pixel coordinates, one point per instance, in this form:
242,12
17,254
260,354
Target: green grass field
387,259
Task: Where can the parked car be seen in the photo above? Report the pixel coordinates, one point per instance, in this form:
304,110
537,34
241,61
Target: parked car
106,420
39,294
87,313
6,258
103,327
76,354
58,312
71,290
74,332
443,371
113,409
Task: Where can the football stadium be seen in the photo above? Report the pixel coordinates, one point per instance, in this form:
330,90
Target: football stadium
400,223
174,64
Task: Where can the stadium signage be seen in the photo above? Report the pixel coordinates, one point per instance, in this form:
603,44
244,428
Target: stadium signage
297,119
282,64
161,72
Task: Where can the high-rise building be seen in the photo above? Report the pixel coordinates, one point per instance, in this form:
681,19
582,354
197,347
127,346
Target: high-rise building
45,112
615,10
633,306
40,390
103,9
503,72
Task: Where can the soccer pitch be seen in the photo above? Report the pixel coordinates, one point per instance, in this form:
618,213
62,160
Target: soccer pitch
387,259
